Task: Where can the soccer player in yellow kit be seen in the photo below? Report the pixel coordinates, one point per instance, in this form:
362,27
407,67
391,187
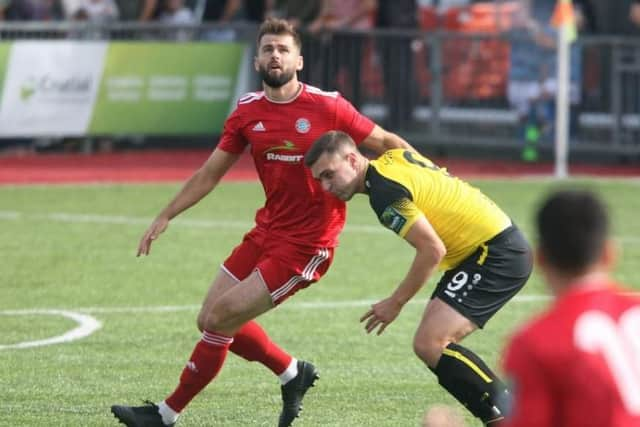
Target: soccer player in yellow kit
453,227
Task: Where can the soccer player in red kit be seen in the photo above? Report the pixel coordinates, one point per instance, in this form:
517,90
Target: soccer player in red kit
578,363
296,231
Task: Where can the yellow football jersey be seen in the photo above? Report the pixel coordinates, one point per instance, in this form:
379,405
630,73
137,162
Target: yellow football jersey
403,186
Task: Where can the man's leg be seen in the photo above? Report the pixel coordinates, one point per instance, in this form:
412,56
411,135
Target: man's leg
460,371
251,342
227,314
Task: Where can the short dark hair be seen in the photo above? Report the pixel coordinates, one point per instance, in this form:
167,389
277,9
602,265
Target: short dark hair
330,142
573,226
278,27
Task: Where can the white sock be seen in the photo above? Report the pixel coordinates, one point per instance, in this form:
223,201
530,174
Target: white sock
169,416
290,373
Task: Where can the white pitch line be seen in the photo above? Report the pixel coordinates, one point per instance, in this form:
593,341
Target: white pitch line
10,215
195,223
86,326
194,307
129,220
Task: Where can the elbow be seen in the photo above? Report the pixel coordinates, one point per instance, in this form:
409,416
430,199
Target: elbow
438,252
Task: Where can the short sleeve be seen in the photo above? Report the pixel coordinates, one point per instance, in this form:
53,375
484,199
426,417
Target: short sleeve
392,202
399,216
232,140
351,121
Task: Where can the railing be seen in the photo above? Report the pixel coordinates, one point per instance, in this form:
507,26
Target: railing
438,88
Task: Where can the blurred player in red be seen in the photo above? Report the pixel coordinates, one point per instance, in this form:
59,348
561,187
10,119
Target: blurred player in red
578,363
296,231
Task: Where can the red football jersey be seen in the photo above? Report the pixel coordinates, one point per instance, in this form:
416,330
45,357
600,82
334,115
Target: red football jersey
280,133
578,364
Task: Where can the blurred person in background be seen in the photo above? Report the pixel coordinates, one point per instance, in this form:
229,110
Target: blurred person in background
292,244
342,53
634,12
16,10
532,83
257,10
578,363
219,12
174,12
47,10
396,55
137,10
91,10
299,13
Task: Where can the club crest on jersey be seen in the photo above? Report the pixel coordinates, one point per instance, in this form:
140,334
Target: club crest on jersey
392,219
303,125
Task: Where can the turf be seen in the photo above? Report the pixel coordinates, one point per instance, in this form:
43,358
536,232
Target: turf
73,248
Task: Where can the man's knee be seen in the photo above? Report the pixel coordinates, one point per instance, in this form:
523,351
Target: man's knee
429,349
201,321
214,320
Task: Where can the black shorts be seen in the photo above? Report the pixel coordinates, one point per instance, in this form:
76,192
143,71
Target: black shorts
483,282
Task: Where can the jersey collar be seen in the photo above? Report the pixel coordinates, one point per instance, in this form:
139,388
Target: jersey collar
301,89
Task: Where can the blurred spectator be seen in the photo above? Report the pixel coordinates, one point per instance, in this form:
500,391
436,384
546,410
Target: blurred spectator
533,70
397,60
257,10
634,12
343,15
91,10
220,12
298,13
440,13
16,10
137,10
175,12
47,10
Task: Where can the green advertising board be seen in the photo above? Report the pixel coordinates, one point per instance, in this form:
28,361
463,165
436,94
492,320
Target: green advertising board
4,62
166,88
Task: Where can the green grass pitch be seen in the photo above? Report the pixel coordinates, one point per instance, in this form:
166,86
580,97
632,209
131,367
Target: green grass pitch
73,248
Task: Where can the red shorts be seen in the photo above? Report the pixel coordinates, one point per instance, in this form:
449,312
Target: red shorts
285,268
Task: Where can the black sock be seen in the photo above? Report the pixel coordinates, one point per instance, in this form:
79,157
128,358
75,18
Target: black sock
467,378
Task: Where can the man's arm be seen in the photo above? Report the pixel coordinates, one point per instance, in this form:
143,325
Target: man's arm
429,252
201,183
380,140
148,8
365,9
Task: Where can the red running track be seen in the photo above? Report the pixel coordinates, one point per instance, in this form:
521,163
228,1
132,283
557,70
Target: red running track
172,166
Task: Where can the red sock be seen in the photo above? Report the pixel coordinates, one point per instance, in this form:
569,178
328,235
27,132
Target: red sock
252,343
205,363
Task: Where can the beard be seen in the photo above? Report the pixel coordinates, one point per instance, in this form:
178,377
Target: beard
275,81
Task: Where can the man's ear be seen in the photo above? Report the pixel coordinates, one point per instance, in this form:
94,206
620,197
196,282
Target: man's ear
609,254
352,158
300,63
540,259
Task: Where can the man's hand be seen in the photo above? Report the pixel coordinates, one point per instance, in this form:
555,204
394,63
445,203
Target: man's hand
158,226
381,315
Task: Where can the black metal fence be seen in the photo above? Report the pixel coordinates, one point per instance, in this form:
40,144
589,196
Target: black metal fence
437,88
